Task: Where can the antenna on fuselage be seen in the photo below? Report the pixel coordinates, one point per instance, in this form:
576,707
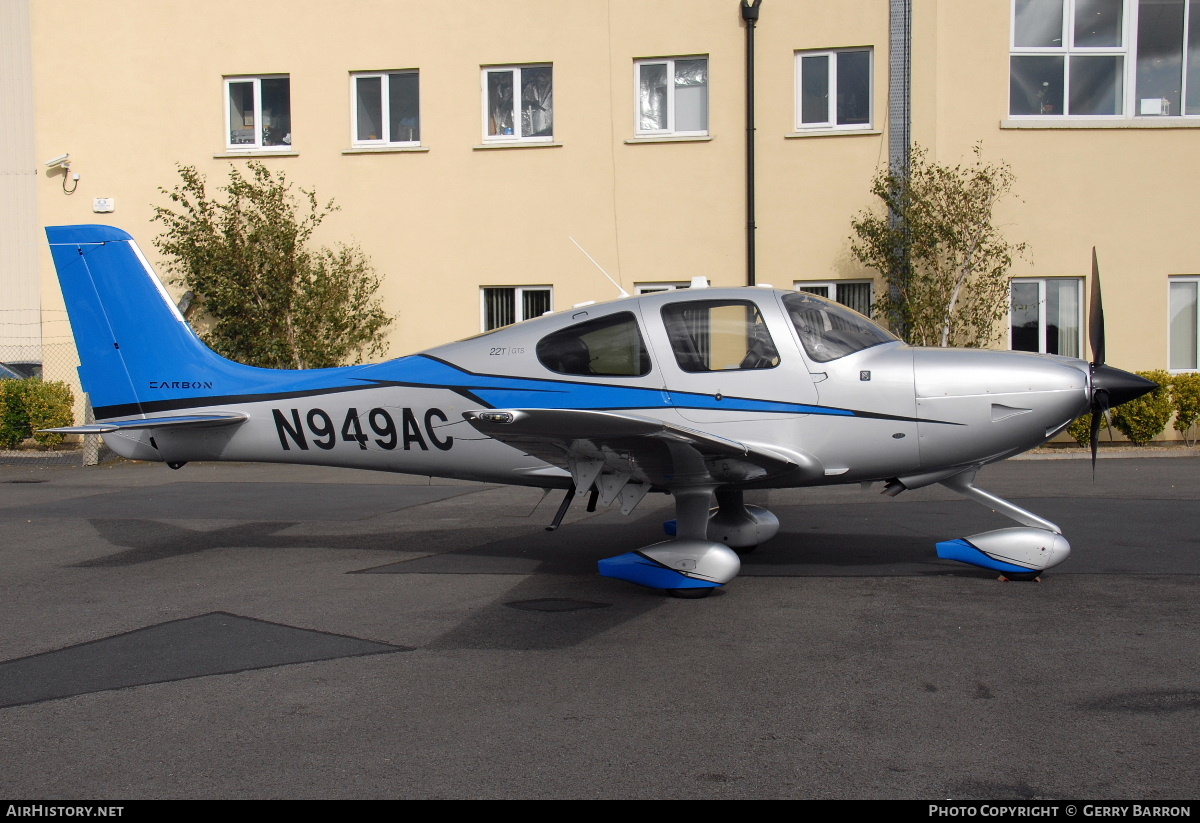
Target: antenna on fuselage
597,265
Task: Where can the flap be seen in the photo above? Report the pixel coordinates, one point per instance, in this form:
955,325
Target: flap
643,448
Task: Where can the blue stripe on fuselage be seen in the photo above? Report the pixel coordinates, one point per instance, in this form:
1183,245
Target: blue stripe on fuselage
504,391
423,371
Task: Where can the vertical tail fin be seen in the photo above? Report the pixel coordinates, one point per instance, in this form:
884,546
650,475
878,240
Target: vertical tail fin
135,348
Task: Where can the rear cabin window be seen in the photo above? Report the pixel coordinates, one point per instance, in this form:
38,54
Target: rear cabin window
719,335
609,346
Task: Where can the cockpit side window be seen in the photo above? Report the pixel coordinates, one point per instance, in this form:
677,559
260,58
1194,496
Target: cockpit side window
609,346
719,335
829,330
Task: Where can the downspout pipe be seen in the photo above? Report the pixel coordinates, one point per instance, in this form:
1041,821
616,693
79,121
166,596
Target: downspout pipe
750,17
899,132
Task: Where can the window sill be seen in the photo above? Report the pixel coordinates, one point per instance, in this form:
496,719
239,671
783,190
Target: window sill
256,153
1097,123
515,145
384,149
673,138
831,133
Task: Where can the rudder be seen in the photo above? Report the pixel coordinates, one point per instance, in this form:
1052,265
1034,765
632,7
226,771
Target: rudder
134,346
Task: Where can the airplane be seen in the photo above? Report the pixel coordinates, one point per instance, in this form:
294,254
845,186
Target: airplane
700,393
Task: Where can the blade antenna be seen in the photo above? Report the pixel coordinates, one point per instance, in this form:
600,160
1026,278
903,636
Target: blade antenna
597,265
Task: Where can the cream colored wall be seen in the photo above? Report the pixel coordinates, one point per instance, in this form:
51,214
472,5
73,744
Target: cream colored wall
131,99
1130,192
132,88
810,187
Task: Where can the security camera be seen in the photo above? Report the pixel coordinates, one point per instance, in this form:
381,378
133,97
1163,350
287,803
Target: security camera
61,160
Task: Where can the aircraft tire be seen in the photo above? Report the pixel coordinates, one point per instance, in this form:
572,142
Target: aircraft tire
691,594
1023,577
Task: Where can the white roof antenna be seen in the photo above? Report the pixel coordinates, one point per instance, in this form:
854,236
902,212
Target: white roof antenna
597,265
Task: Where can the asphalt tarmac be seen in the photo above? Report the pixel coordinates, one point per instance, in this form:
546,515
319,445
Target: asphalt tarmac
239,631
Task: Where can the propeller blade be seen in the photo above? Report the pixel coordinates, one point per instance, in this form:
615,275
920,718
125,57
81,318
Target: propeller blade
1099,409
1096,316
1110,388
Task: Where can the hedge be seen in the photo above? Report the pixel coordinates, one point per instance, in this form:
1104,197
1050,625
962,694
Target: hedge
32,404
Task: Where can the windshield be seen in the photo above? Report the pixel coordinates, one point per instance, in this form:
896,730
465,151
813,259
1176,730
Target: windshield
829,330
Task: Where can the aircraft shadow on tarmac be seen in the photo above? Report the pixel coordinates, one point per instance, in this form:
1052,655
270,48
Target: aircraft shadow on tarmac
815,541
574,550
557,599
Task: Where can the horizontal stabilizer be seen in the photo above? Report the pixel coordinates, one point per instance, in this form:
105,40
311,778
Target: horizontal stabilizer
195,421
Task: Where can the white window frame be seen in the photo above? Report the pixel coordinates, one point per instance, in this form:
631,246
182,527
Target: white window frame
257,146
1042,319
387,139
516,136
831,289
1130,105
830,123
670,130
518,303
666,285
1185,278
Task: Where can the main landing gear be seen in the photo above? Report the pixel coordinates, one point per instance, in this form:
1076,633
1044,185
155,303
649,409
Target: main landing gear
702,556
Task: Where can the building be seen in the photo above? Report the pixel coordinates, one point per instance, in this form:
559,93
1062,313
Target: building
467,142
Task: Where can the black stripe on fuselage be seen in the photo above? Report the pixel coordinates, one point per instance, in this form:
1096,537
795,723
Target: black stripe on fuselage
467,392
153,406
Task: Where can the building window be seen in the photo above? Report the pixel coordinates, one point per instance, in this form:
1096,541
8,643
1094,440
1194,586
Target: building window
386,110
665,285
1184,354
518,104
1047,316
1097,58
505,305
833,89
259,112
854,294
672,96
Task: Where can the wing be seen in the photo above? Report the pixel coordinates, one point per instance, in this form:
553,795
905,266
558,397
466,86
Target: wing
618,451
197,421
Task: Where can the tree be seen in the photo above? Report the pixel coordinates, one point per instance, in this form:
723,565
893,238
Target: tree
268,299
944,261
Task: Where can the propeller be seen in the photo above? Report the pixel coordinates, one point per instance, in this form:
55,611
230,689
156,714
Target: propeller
1110,387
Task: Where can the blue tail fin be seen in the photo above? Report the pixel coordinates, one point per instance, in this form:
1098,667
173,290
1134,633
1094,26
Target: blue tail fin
138,354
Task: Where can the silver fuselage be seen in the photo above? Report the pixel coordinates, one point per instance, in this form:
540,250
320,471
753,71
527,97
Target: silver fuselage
887,411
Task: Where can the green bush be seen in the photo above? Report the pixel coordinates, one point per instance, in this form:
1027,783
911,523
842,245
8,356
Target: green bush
1185,397
14,422
1143,419
1081,429
29,405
